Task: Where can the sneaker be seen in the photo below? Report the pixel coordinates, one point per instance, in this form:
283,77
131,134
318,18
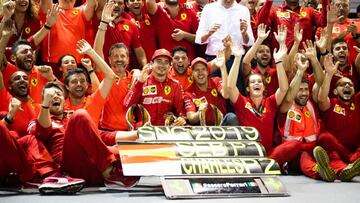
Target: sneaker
350,171
60,184
322,165
117,178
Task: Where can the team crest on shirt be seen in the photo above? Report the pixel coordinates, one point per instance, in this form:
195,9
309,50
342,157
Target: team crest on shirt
214,92
291,114
303,14
75,12
167,90
27,30
149,90
283,14
68,113
307,114
126,27
249,106
352,107
268,79
183,16
336,30
34,82
339,110
199,101
294,116
190,79
147,22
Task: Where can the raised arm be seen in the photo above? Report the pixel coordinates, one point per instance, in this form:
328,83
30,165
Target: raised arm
250,54
109,75
283,80
220,62
45,5
8,9
44,118
330,70
298,34
233,91
331,20
86,62
140,56
294,85
357,61
7,32
89,9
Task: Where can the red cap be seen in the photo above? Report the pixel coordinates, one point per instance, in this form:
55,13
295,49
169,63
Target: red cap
161,52
198,60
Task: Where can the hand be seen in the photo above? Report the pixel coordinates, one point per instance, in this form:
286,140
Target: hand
301,63
203,106
262,34
8,29
213,28
144,73
220,59
243,26
83,47
280,55
329,66
280,36
135,75
357,49
49,94
52,15
309,49
331,14
178,34
352,28
321,43
46,72
107,12
86,62
227,41
179,121
298,34
8,9
14,106
237,50
188,5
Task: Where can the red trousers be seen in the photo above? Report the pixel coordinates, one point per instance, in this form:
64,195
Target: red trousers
84,154
330,143
24,156
286,151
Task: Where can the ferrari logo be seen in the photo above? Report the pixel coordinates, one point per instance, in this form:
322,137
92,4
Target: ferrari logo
248,106
283,14
336,30
167,90
268,79
147,22
75,12
34,82
27,30
264,111
303,14
352,107
126,27
190,79
307,114
338,109
183,16
214,92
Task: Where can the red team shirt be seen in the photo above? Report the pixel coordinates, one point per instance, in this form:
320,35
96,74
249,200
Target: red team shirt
271,80
164,25
185,80
194,96
343,122
158,98
264,122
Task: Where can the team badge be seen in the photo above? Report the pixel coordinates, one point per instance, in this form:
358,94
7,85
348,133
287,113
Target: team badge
167,90
183,16
75,12
214,92
196,102
264,110
149,90
336,30
34,82
303,14
291,114
352,107
298,117
126,27
203,100
283,14
117,79
268,79
190,79
248,106
147,22
27,30
339,110
307,114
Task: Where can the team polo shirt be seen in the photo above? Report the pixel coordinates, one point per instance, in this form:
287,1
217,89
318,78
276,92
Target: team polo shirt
194,97
114,113
70,27
186,20
307,18
147,34
29,111
36,81
123,31
343,121
262,119
93,104
185,80
271,79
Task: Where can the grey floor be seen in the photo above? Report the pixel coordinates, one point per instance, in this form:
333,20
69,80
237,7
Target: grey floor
301,189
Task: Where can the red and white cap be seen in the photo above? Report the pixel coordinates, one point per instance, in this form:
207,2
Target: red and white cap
161,52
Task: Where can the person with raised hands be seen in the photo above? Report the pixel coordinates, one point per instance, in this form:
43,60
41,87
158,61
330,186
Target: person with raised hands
257,110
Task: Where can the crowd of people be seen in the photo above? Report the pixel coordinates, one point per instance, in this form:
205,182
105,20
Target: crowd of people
74,80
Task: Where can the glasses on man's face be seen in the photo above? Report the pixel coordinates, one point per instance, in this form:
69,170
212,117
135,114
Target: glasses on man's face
343,84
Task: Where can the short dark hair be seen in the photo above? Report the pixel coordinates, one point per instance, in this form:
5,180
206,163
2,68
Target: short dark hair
119,46
179,48
63,56
16,45
53,84
336,41
73,72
